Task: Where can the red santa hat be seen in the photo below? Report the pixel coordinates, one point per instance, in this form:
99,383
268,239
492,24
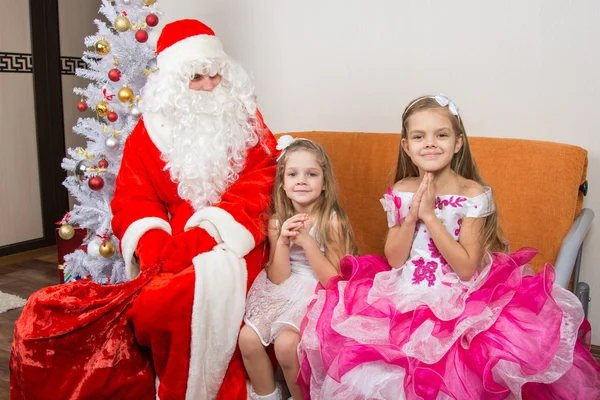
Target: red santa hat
184,41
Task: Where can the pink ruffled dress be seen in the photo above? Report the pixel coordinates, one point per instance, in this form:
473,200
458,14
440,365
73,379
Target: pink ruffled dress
419,332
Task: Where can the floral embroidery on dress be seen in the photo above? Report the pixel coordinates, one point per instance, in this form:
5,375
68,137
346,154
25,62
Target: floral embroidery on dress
452,202
392,205
435,253
457,230
424,271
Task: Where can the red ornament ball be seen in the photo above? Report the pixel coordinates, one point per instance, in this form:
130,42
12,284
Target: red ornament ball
152,20
112,116
96,183
103,163
141,36
114,75
82,106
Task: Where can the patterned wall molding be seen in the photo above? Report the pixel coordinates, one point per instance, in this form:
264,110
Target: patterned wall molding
69,64
23,63
16,62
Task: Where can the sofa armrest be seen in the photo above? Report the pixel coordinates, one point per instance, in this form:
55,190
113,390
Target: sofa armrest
582,291
567,255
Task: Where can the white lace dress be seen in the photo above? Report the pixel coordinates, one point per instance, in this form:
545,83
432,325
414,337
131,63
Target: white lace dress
271,307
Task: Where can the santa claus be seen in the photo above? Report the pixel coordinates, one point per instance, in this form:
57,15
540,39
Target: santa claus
189,207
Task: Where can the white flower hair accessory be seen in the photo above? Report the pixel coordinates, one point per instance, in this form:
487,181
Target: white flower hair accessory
283,143
444,101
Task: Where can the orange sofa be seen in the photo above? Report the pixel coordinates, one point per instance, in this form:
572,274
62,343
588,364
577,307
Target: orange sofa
538,187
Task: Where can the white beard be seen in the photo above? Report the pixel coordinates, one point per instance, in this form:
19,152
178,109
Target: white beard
210,136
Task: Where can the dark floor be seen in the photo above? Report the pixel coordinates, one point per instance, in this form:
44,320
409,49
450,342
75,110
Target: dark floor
21,275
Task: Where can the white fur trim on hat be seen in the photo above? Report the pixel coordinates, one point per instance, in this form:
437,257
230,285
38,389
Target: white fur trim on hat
223,228
131,238
188,50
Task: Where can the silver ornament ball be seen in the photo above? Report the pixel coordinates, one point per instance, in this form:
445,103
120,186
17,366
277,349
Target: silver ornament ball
93,248
127,2
111,143
135,112
81,168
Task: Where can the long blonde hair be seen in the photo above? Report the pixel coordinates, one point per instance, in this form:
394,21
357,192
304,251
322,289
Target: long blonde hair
326,205
462,164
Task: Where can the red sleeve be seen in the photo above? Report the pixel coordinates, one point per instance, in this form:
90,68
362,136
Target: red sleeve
134,196
140,218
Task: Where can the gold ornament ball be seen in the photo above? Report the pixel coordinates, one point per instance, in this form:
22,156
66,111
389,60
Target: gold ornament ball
102,47
66,232
125,94
122,24
107,249
149,2
102,108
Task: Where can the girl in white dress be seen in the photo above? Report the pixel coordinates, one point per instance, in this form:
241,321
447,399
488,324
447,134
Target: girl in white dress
309,233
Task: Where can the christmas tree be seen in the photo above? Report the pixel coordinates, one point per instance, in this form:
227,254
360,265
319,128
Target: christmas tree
117,69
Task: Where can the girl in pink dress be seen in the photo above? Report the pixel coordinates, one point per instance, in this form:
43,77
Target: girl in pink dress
447,314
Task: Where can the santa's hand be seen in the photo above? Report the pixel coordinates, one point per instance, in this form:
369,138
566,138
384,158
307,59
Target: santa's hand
150,247
179,252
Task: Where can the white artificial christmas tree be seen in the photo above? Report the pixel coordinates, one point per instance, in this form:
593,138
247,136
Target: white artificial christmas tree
117,69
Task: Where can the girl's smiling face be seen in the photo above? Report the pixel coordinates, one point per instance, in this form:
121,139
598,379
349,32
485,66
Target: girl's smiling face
303,180
430,140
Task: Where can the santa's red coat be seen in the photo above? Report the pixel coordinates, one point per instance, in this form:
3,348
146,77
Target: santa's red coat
172,330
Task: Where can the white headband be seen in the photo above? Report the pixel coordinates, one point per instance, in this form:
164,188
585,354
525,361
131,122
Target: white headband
442,100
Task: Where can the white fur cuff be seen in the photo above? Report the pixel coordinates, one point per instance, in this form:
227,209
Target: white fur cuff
131,238
224,229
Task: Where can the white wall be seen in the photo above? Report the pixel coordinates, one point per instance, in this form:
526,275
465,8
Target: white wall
525,69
